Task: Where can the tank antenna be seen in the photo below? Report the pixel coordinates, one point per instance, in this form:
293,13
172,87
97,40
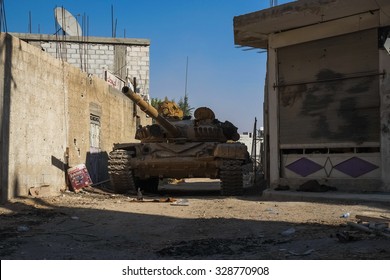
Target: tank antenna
185,89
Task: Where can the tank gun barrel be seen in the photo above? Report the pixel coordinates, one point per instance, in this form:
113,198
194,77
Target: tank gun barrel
151,111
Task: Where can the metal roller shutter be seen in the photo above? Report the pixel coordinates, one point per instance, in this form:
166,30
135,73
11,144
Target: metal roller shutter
329,91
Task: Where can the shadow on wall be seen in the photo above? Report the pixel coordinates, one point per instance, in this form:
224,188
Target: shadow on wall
5,107
97,165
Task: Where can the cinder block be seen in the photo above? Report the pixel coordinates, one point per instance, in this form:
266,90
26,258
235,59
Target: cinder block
135,48
93,56
131,59
109,52
109,61
71,51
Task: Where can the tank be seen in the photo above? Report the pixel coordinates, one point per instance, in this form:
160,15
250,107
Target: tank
178,147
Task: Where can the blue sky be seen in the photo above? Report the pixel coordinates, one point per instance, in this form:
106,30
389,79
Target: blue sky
227,79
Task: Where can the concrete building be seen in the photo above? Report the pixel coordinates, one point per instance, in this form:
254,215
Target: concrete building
54,115
255,146
327,91
122,57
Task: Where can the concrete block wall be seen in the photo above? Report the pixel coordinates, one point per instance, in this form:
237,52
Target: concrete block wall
123,57
137,58
45,110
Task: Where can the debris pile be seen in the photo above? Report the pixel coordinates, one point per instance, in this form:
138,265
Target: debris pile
369,226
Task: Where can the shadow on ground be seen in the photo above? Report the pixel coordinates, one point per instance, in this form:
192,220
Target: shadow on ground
36,229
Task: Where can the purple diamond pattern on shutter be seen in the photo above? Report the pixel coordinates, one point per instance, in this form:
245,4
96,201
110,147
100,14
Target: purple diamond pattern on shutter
304,167
355,167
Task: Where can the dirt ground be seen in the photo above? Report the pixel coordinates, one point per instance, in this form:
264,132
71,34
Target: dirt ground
186,221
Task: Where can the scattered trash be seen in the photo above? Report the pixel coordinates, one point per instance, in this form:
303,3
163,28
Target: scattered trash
370,225
168,199
345,215
23,228
288,232
385,217
180,202
75,218
98,190
382,219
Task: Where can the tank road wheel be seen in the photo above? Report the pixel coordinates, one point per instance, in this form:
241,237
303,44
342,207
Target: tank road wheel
120,172
231,178
149,185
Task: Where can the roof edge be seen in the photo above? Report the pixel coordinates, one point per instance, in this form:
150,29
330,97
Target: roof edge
82,39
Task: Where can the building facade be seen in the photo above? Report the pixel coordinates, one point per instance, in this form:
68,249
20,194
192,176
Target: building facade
125,58
55,116
327,91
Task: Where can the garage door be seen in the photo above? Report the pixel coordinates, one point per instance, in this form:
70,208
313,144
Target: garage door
329,92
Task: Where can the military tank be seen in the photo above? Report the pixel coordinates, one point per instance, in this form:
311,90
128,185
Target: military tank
178,147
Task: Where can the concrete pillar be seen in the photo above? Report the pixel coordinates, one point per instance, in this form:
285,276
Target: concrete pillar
384,89
273,118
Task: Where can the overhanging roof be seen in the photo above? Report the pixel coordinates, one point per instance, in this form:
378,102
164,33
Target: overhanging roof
252,29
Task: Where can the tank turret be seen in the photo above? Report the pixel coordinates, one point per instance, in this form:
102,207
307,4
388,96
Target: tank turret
173,128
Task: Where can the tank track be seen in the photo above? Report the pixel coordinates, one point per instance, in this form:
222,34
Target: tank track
121,175
231,176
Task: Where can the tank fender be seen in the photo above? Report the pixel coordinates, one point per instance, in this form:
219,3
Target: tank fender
231,151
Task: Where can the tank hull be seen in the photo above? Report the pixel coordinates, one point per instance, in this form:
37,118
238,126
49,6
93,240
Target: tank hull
139,165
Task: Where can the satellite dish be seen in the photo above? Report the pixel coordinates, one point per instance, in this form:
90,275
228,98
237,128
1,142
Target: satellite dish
67,22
